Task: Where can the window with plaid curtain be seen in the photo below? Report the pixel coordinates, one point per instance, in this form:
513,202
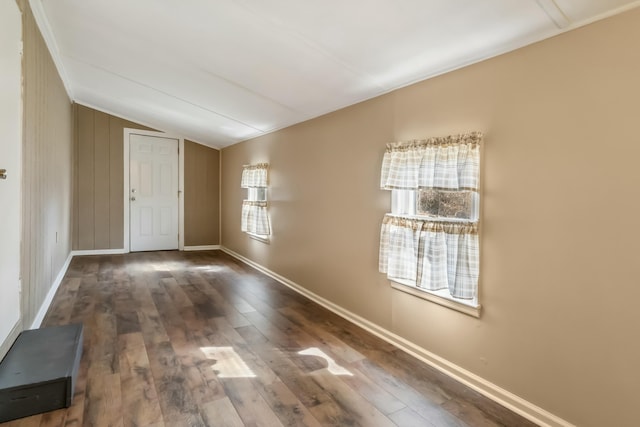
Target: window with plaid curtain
433,245
255,218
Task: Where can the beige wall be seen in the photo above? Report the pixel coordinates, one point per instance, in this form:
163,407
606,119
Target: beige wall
99,197
201,195
47,171
559,263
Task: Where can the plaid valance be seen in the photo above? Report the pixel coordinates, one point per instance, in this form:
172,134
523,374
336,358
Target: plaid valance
254,175
447,163
255,219
431,255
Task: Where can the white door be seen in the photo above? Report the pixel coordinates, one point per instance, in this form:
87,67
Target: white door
10,149
153,193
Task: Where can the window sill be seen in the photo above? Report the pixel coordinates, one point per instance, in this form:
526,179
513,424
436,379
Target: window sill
470,310
435,218
263,239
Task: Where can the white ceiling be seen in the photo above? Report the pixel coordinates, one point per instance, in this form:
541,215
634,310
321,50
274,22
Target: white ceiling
222,71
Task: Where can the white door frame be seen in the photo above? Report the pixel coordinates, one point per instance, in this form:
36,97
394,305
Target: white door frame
127,133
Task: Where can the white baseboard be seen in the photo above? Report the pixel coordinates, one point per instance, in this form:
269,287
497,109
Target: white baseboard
202,248
492,391
99,252
11,338
124,251
52,292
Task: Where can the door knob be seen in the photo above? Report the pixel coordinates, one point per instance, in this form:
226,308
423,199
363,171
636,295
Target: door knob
3,174
133,199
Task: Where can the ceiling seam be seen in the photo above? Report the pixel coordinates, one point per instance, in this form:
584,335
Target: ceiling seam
555,13
253,92
166,93
290,32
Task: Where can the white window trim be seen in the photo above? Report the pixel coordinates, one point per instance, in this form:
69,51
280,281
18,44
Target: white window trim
470,307
259,237
253,195
258,194
404,205
405,200
265,238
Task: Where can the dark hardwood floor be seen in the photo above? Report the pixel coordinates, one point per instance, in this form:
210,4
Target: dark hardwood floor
200,339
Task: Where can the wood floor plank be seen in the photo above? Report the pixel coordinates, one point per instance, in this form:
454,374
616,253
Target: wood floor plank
125,309
351,402
227,303
177,404
226,335
469,413
286,405
172,321
407,417
140,404
422,404
411,375
75,413
201,339
309,392
149,319
101,331
60,314
32,421
177,294
281,338
282,401
53,418
221,413
200,378
103,402
334,345
251,406
384,401
204,306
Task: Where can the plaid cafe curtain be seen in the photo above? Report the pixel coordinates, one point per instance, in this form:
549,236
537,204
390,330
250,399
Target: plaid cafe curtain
446,163
255,219
432,255
254,175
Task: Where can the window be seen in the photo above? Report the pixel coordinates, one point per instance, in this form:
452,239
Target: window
255,218
429,241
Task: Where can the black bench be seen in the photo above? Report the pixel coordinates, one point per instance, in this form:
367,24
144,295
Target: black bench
39,372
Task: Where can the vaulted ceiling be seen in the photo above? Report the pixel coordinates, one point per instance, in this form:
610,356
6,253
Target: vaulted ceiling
222,71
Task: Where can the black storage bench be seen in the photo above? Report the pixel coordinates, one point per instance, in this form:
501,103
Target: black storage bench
39,372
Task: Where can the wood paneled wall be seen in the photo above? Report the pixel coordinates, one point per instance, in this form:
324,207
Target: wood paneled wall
98,202
99,180
46,170
201,195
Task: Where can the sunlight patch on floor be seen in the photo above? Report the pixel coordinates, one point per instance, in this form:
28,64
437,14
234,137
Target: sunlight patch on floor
211,268
227,363
332,366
